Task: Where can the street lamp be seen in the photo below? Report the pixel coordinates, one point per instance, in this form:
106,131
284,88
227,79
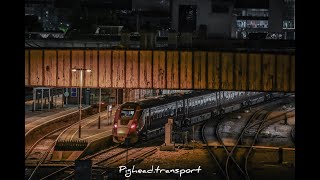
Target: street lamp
99,109
81,79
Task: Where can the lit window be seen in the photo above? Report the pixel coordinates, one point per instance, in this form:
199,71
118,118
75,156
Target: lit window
288,24
257,12
257,24
241,23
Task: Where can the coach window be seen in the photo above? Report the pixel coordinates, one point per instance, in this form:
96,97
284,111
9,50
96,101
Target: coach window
144,120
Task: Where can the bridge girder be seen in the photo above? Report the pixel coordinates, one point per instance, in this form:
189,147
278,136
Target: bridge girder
161,69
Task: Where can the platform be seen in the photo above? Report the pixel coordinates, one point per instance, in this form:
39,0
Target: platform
37,118
91,137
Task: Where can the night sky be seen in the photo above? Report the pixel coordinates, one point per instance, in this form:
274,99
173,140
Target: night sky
162,5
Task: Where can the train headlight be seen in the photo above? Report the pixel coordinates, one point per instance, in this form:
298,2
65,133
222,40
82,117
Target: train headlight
115,126
132,126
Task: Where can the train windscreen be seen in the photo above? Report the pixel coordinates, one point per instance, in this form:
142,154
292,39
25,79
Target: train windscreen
127,113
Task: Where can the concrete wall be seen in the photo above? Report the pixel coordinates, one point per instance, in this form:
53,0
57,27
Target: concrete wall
276,15
218,24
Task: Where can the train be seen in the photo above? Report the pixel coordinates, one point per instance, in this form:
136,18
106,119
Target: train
145,118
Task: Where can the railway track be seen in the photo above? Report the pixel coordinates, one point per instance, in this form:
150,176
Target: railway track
293,134
230,153
52,136
265,122
223,168
212,154
254,124
44,156
110,158
50,140
262,118
74,127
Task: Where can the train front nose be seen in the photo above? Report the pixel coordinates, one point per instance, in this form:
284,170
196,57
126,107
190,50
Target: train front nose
129,130
122,133
124,126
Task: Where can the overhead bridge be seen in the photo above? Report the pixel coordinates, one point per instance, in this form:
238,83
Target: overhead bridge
161,69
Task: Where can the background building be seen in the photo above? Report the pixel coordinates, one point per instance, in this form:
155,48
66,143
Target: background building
43,12
289,19
214,15
235,19
250,17
82,15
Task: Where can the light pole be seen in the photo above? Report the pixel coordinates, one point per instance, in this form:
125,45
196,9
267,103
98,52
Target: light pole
99,109
81,80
